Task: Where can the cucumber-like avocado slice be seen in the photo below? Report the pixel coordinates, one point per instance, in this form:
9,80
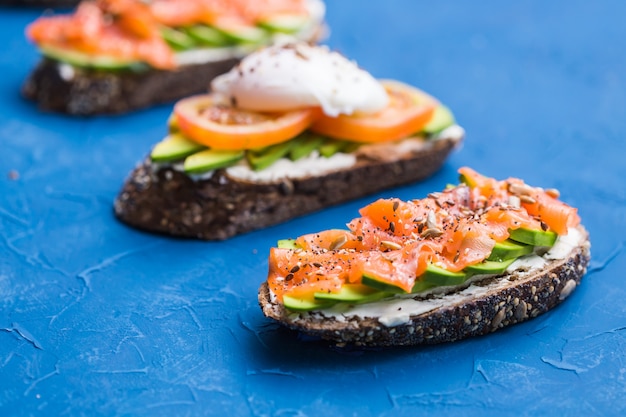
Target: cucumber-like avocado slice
177,39
287,244
509,249
442,118
420,286
211,159
467,181
349,293
173,148
374,282
488,267
263,158
83,60
304,304
533,237
172,123
285,23
207,35
306,145
333,146
439,276
244,34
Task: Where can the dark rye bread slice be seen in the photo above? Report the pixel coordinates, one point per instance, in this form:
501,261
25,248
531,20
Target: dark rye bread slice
92,91
497,302
168,201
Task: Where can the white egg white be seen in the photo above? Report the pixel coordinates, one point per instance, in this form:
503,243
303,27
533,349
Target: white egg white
290,76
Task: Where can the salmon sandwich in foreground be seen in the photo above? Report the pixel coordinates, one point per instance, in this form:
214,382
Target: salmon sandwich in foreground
466,261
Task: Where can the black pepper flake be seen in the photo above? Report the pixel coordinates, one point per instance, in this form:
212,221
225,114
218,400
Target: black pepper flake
233,101
289,277
392,227
544,226
295,269
395,205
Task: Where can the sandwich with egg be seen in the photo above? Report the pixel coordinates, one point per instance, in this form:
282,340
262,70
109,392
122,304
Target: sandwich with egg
114,56
292,129
467,261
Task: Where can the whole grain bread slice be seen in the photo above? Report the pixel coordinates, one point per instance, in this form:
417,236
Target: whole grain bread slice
166,200
88,91
483,307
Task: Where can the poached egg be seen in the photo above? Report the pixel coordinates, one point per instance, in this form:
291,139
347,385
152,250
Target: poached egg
296,75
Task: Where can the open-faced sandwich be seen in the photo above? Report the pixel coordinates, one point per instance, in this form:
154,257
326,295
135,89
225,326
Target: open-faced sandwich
112,56
290,130
466,261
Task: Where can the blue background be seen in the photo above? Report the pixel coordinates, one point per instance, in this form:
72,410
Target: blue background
100,319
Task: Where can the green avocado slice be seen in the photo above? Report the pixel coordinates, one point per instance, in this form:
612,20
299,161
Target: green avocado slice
286,23
174,147
509,249
349,293
303,304
488,267
439,276
306,144
264,158
244,34
372,281
207,36
211,159
83,60
533,237
441,119
177,39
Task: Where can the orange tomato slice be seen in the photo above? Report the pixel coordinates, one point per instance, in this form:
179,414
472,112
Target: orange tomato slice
408,111
207,120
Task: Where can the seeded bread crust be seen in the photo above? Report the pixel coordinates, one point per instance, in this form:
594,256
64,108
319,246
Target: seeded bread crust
91,92
525,296
168,201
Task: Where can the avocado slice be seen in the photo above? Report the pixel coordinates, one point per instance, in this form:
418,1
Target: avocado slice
244,34
211,159
285,23
206,35
376,283
509,249
173,148
420,286
333,146
83,60
172,123
488,267
439,276
304,304
533,237
442,118
305,145
177,39
262,158
351,293
287,244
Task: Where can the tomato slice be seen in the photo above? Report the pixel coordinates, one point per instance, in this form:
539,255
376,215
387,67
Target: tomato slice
408,111
207,120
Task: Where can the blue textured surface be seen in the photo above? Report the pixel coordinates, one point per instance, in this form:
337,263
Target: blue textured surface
100,319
